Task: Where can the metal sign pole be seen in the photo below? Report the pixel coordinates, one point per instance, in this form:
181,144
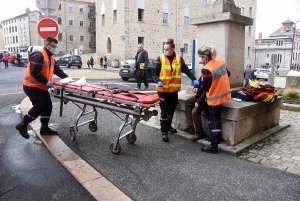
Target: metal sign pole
47,7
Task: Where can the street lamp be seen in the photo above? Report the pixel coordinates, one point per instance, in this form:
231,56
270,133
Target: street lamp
292,52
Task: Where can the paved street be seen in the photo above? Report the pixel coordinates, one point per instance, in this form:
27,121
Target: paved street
147,170
281,151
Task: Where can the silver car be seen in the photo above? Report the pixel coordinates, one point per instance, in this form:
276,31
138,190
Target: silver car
262,74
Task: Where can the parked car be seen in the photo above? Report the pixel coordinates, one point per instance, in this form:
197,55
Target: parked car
70,60
262,74
62,61
189,65
128,70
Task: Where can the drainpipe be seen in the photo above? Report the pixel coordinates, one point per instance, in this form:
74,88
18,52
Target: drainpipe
177,23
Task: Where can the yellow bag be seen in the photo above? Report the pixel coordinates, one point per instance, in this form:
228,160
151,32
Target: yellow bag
142,66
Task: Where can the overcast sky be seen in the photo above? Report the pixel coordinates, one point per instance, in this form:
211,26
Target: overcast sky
270,13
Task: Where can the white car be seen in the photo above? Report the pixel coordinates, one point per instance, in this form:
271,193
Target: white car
262,74
189,65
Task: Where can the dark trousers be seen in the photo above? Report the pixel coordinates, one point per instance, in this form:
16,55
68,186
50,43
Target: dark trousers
193,114
42,105
6,63
141,76
215,124
167,108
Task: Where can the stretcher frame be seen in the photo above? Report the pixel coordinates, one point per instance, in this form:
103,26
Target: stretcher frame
136,111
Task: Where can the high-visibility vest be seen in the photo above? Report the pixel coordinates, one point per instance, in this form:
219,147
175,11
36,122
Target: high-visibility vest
47,71
219,92
171,79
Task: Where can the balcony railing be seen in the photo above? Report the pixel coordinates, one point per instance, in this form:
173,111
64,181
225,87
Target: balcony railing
92,43
92,28
92,13
92,5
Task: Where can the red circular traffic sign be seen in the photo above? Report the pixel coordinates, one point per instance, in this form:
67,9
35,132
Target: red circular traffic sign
47,27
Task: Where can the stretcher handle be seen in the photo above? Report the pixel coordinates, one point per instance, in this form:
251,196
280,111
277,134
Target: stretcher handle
161,99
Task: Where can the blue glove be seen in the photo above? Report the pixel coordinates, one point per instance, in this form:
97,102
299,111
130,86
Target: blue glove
160,84
48,84
196,83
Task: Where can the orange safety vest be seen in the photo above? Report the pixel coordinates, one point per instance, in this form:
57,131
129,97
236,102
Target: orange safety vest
171,79
47,71
219,92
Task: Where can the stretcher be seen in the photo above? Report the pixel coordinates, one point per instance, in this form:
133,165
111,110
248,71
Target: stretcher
116,98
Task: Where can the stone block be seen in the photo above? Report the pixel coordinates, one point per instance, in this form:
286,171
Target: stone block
240,120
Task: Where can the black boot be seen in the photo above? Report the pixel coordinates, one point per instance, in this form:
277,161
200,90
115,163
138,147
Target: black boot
172,130
45,130
22,128
165,136
212,148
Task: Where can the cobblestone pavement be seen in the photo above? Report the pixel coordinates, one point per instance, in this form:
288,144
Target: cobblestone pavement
281,151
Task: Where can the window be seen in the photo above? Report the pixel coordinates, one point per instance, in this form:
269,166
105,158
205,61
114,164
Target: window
140,14
59,36
249,32
185,48
248,54
13,39
103,19
81,23
141,40
17,39
59,7
108,46
81,10
70,8
204,2
186,16
16,29
165,12
13,29
163,44
81,38
165,18
71,37
114,15
250,11
186,21
71,22
243,10
59,20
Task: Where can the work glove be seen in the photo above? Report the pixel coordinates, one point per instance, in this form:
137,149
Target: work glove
196,83
160,84
49,84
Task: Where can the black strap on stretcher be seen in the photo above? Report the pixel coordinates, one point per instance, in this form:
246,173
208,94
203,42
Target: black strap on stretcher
61,98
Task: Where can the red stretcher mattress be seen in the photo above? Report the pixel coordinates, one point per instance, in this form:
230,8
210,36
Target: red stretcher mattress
127,96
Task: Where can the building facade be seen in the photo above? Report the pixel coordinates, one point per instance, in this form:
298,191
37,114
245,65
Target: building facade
277,47
76,19
121,25
1,38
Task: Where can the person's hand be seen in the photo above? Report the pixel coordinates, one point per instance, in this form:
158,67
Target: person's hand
195,83
49,84
160,84
196,104
195,90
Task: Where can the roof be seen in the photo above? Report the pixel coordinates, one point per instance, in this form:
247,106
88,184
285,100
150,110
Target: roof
288,21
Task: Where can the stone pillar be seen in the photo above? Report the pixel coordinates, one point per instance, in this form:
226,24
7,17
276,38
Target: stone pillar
221,25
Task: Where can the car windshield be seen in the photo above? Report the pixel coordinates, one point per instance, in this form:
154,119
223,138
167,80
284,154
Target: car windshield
77,57
130,61
24,55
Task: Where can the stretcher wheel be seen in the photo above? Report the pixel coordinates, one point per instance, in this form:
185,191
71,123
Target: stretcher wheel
73,134
93,126
115,151
155,113
131,138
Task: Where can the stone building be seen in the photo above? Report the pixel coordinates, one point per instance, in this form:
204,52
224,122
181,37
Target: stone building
121,25
1,38
20,31
76,19
277,47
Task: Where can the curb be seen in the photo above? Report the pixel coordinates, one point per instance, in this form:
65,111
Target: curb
98,186
291,107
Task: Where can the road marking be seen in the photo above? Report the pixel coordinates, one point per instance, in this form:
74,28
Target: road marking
11,93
